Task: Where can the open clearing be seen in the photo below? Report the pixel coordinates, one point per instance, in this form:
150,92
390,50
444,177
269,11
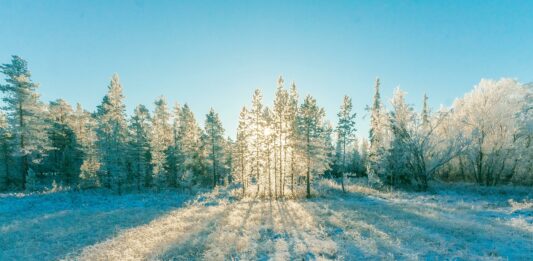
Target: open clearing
458,222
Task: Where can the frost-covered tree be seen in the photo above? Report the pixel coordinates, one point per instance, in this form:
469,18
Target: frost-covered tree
418,149
377,136
84,127
345,132
363,151
227,160
112,136
66,155
281,102
140,153
189,141
215,144
523,165
313,139
256,141
269,142
292,133
425,111
174,156
26,116
6,159
402,120
488,116
241,153
160,141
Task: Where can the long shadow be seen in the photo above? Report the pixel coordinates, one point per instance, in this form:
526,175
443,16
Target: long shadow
193,245
54,226
251,204
381,210
286,235
294,216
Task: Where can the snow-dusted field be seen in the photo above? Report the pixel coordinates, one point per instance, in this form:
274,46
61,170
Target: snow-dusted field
458,222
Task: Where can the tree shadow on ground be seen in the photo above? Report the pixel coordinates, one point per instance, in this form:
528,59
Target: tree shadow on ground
437,232
51,226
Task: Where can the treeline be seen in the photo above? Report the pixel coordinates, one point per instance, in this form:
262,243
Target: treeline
484,137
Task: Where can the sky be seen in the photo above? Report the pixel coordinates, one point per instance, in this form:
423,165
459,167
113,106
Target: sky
216,53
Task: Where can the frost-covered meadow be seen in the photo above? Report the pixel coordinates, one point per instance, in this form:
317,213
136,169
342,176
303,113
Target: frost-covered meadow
461,221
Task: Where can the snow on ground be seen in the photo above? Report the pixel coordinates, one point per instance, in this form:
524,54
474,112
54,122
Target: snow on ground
461,221
50,226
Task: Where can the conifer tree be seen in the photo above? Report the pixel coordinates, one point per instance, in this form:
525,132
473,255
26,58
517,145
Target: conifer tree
84,127
174,156
65,156
425,111
215,144
140,154
241,151
280,110
160,140
292,115
6,160
313,133
25,114
345,132
189,141
377,151
269,142
257,126
112,136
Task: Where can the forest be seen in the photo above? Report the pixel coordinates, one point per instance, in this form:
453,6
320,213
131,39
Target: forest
319,180
280,150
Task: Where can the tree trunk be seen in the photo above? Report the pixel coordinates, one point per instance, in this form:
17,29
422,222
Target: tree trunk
280,154
343,163
308,165
214,163
292,173
269,173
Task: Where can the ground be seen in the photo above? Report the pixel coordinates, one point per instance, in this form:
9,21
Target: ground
460,221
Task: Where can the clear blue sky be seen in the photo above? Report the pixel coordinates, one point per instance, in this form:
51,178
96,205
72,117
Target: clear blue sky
215,53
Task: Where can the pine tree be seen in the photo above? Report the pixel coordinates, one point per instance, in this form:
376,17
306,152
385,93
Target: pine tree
377,151
363,151
228,160
6,160
345,131
25,115
269,143
257,126
112,136
313,144
241,151
425,111
160,141
66,155
140,154
189,141
280,127
399,155
215,144
174,156
84,127
291,119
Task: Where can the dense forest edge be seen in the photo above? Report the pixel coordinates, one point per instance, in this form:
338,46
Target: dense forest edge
280,151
